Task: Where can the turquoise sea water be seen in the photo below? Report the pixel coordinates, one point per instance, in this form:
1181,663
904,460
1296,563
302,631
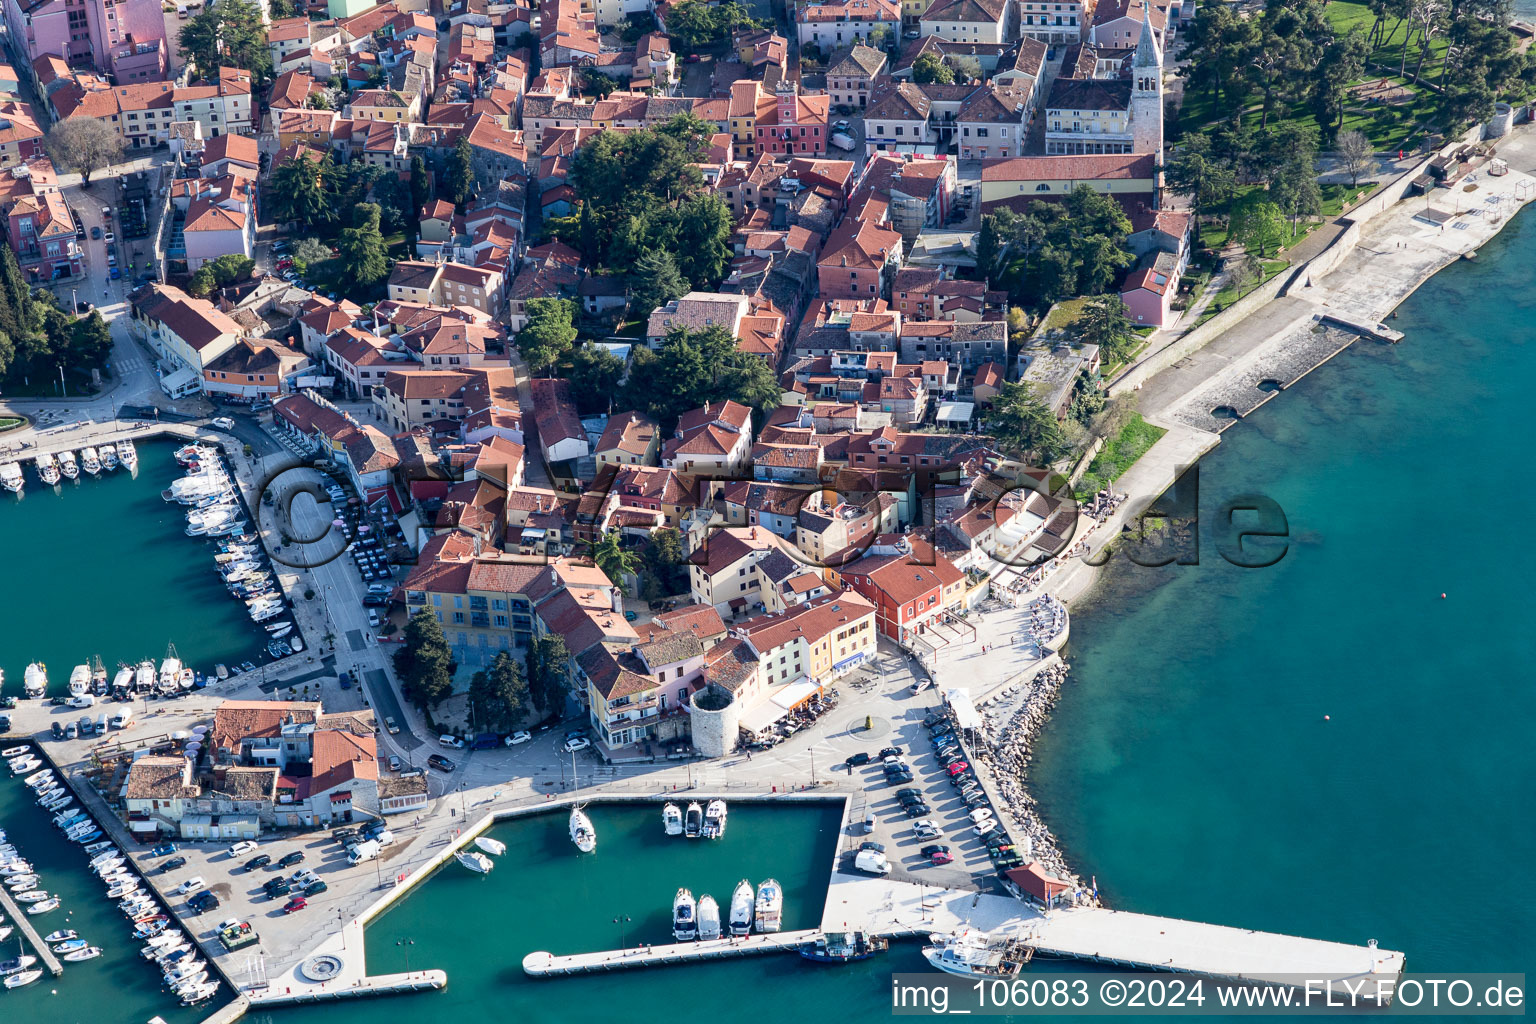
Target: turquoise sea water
102,567
1188,766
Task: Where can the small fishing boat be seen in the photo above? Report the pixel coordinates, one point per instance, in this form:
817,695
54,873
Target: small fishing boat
52,903
36,778
770,905
221,672
47,469
199,994
68,466
30,896
128,455
843,947
80,680
22,979
35,680
62,935
21,751
88,953
70,945
672,820
493,846
685,925
693,824
151,927
95,848
21,882
975,955
476,862
89,461
11,478
714,820
88,837
741,908
108,455
709,917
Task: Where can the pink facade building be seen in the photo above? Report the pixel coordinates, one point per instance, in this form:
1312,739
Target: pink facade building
796,125
123,38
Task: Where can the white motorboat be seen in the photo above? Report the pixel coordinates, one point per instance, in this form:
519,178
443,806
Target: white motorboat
128,455
11,478
104,856
974,954
582,832
770,905
741,908
108,455
187,680
30,896
68,466
161,952
21,882
36,779
221,671
476,862
714,820
52,903
199,993
70,945
62,935
170,671
80,680
92,849
90,461
693,824
144,676
709,917
672,820
296,643
47,469
16,866
24,978
35,681
24,765
88,953
685,925
489,845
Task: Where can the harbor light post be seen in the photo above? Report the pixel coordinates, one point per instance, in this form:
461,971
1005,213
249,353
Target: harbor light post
623,922
406,944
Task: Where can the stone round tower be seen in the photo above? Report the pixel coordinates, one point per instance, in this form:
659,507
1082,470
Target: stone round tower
716,719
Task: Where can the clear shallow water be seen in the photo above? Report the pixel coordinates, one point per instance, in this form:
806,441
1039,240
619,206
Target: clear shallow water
102,567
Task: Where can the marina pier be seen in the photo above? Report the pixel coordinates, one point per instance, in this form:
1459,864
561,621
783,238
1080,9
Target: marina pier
23,924
544,965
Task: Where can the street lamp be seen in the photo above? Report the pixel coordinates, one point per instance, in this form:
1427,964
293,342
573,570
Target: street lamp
406,944
623,922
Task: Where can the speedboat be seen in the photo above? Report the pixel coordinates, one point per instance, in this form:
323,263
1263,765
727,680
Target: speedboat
36,778
70,945
89,461
24,978
709,917
16,866
21,883
108,455
200,994
16,964
35,681
153,926
741,908
490,845
52,903
275,626
107,863
685,926
476,862
843,947
30,896
770,905
88,837
177,944
80,680
975,954
714,820
94,848
11,478
62,935
87,953
68,466
693,825
672,820
47,468
582,832
128,455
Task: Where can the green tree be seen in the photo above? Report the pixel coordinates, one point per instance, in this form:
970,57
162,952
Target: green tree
229,34
421,182
498,697
549,333
594,376
930,68
424,662
90,343
83,144
614,558
548,659
1023,424
666,565
1194,171
1259,225
654,281
460,183
298,191
1106,322
364,258
597,84
967,69
307,252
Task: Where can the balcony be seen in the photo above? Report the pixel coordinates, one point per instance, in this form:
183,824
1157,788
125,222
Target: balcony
480,620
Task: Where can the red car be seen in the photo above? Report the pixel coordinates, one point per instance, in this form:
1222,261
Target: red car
958,767
297,903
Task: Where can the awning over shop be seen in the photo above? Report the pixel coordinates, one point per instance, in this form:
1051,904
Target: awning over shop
959,702
762,717
849,662
795,694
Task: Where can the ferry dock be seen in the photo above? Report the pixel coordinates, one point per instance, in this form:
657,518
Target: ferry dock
24,925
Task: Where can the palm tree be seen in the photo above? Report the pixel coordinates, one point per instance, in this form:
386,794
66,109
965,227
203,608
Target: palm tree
614,559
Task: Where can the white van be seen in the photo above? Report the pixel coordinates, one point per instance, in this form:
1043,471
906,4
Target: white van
363,851
83,700
446,740
124,717
873,862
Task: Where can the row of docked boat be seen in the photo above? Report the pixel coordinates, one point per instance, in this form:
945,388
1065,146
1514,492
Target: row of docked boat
477,861
700,822
52,468
700,919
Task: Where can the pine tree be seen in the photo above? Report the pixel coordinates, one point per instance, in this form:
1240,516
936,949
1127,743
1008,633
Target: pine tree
547,658
424,662
498,698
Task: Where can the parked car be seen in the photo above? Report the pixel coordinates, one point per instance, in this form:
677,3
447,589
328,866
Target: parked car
390,725
869,823
375,601
394,763
277,887
858,760
899,779
173,864
203,902
441,763
189,886
261,860
222,423
96,232
241,848
926,829
295,904
906,796
453,742
579,743
938,853
956,767
890,752
521,736
315,888
290,859
917,810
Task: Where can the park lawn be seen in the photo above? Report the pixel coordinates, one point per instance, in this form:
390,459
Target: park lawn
1345,17
1229,294
1064,314
1214,236
1118,455
1143,337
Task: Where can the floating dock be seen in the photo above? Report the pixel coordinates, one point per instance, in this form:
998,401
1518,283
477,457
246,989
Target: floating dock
544,965
24,925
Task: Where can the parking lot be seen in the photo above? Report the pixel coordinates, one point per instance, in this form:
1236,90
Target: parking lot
895,829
